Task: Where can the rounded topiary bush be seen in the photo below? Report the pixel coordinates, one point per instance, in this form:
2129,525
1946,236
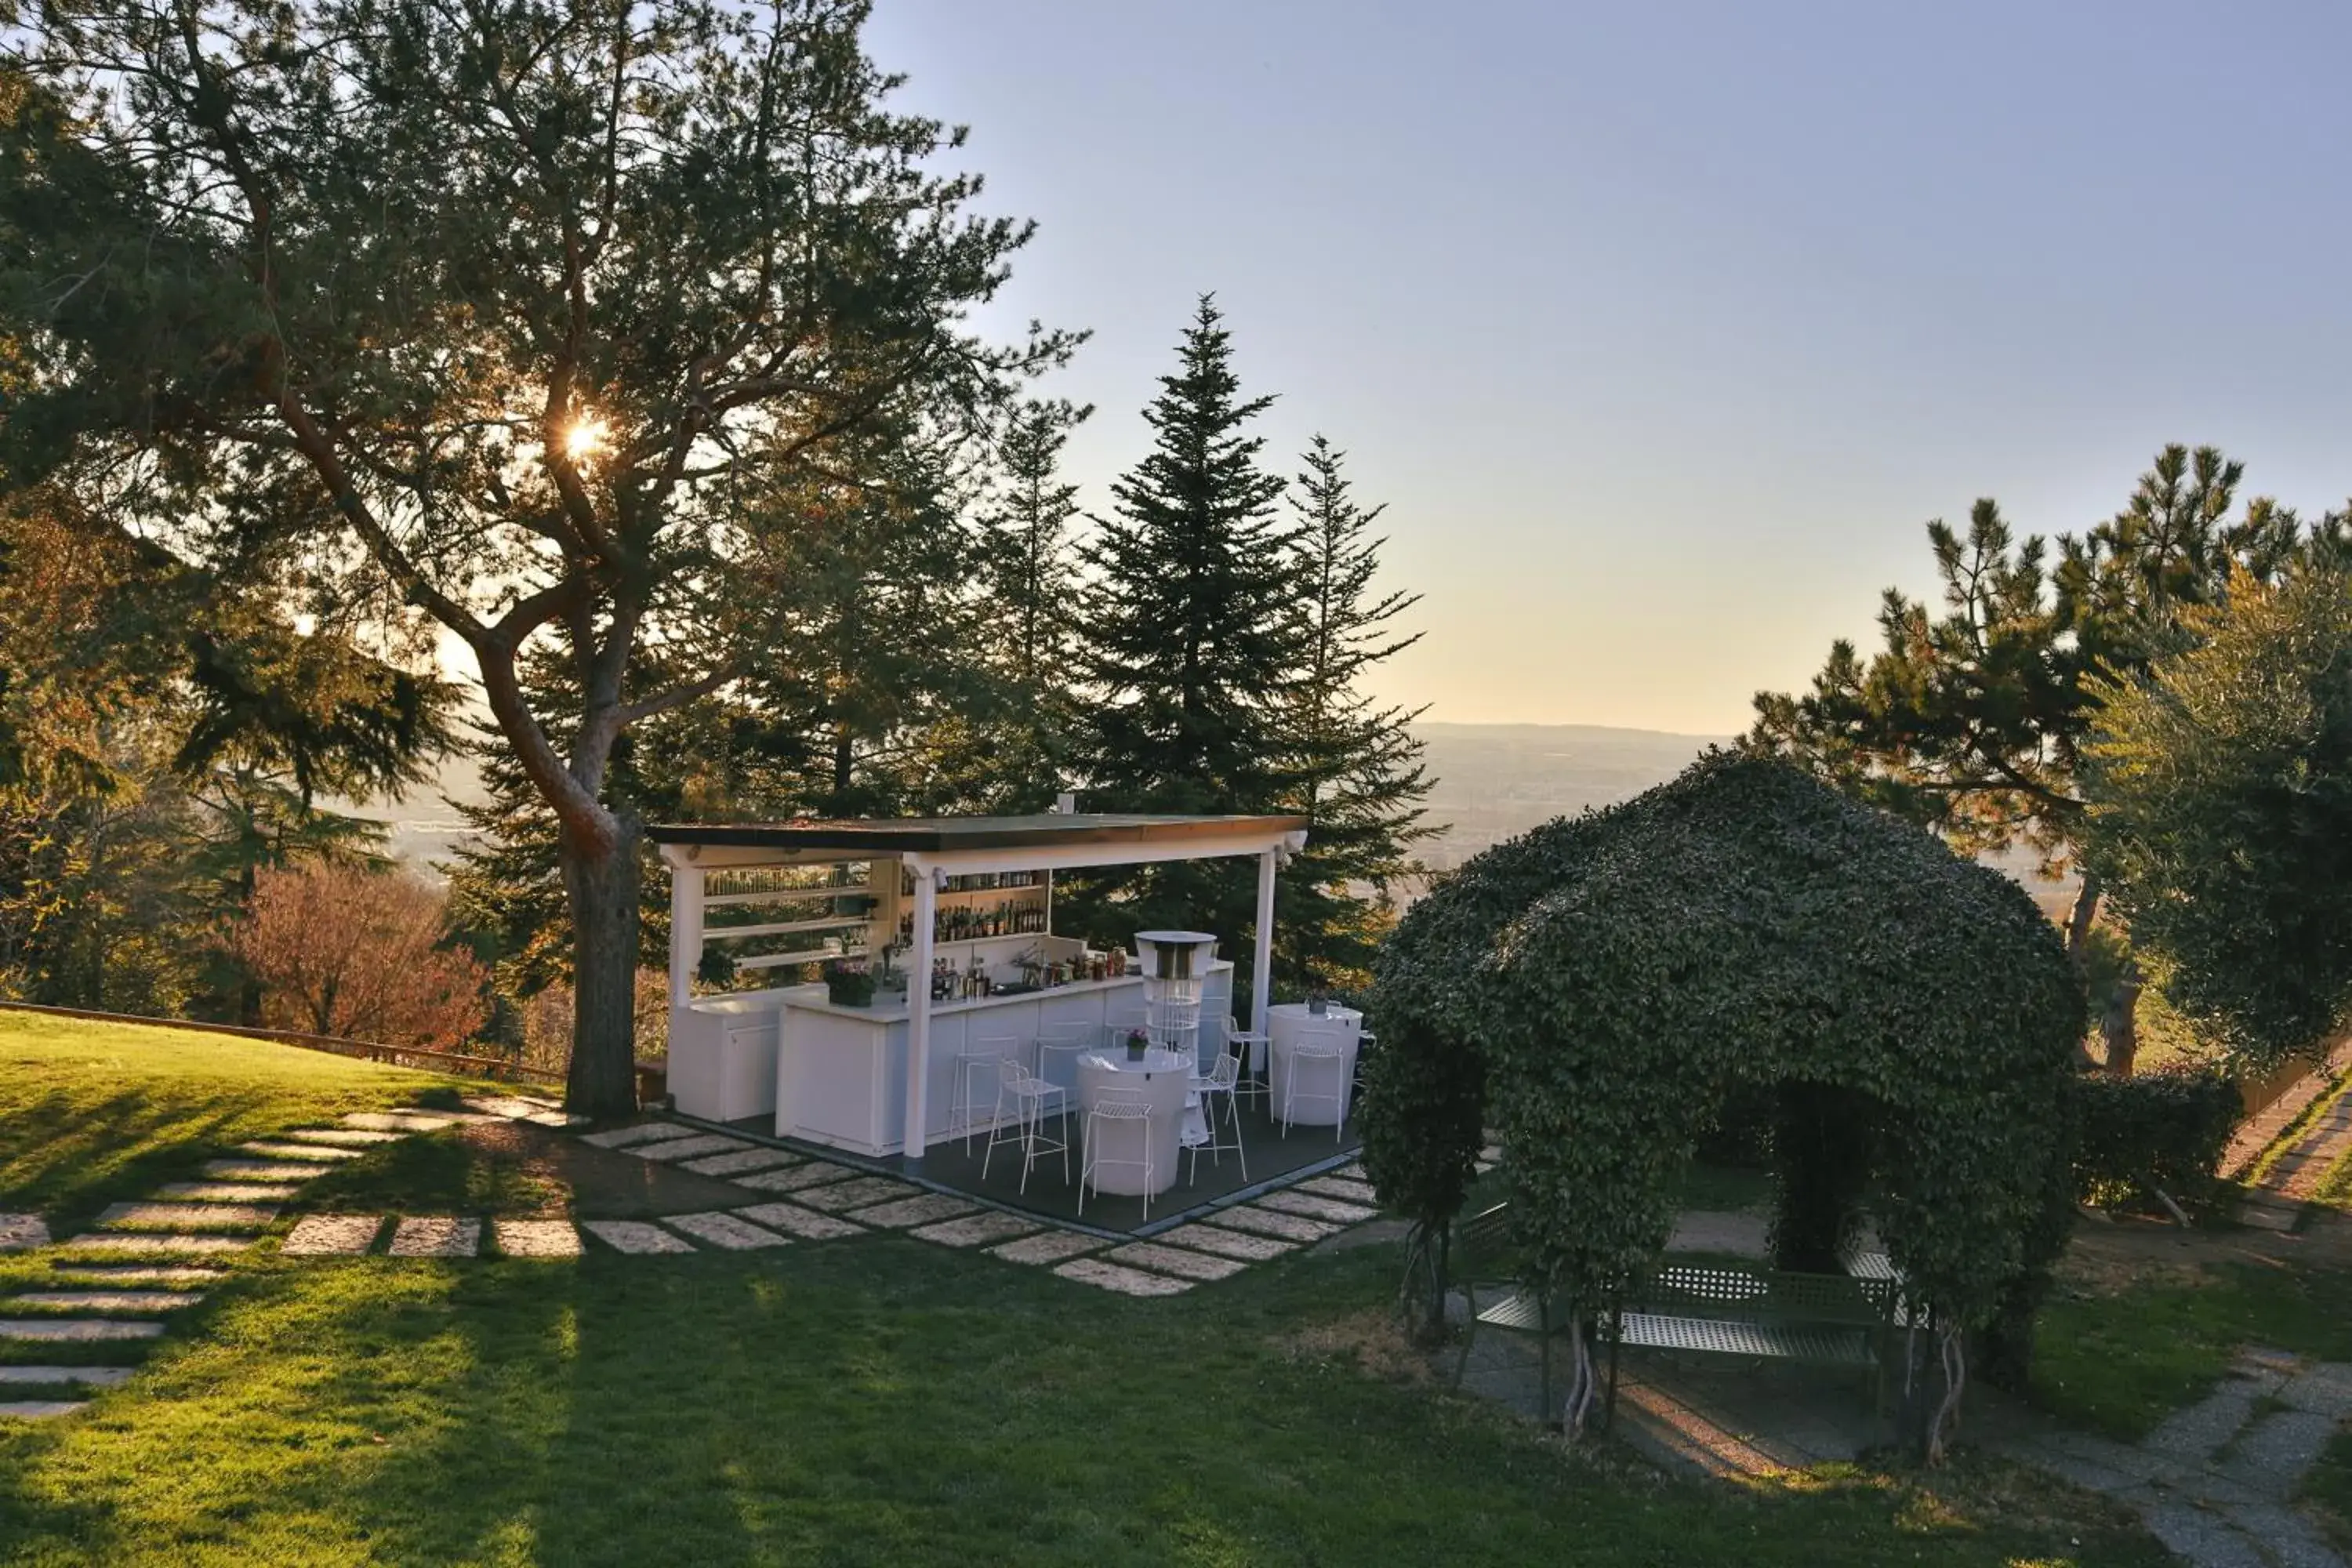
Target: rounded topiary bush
1593,991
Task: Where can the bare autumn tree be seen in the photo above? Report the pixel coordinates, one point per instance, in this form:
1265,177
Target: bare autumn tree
520,315
342,950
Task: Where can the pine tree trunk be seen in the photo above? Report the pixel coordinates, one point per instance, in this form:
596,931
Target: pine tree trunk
2120,1026
601,883
2085,911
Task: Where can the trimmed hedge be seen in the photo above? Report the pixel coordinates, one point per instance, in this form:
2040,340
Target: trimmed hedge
2168,1129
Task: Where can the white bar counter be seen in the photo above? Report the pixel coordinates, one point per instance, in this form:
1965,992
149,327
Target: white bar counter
840,1072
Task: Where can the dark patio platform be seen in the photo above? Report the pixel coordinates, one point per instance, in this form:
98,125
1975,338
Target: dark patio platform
1275,1160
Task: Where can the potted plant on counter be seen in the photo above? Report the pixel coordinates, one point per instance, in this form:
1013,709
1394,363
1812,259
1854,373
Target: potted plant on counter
848,983
1138,1042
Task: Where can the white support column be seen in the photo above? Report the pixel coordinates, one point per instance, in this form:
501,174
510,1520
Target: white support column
686,884
918,1011
1262,961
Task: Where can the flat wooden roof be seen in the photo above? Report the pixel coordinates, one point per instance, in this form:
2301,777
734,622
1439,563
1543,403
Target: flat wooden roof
934,835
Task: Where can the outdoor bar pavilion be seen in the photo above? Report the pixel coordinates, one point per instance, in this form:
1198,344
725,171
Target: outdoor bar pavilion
968,899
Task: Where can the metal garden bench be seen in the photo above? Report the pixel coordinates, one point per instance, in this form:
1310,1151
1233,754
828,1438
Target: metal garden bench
1832,1320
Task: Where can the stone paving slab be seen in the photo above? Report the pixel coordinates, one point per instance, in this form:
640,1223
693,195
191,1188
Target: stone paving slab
263,1169
721,1229
643,1132
1047,1247
312,1153
2271,1455
1232,1244
905,1212
2195,1432
331,1235
186,1217
399,1120
38,1409
634,1236
48,1376
2325,1390
520,1108
687,1148
2205,1538
436,1236
797,1178
1313,1207
975,1230
535,1238
224,1192
1175,1261
1267,1222
20,1231
102,1301
1125,1281
149,1242
77,1331
346,1137
807,1223
837,1197
1343,1189
114,1274
741,1162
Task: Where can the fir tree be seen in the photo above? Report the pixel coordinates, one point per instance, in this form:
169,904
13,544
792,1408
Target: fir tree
1033,581
1361,778
1191,640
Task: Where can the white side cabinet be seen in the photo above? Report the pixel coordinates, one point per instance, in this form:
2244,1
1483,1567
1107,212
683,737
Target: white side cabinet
722,1056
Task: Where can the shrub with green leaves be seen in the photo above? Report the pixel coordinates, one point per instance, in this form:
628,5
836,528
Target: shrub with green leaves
1598,986
2165,1129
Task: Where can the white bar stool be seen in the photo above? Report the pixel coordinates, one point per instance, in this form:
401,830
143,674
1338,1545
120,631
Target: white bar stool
1110,1110
1029,1094
1317,1056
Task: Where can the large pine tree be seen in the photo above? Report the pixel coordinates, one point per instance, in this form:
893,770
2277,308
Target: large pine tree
1361,777
1035,591
1191,642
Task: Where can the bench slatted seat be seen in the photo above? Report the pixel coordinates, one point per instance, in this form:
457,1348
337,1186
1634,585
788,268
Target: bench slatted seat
1731,1336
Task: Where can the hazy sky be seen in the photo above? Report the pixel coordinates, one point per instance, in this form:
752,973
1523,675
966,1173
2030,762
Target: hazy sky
1662,328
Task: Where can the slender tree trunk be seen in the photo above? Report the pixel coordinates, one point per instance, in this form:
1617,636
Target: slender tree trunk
2120,1026
600,883
2084,913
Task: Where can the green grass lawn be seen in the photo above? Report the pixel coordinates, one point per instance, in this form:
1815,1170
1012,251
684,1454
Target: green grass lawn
2119,1363
92,1112
870,1401
882,1402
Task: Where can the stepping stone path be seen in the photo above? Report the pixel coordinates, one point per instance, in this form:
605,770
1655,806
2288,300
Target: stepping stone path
185,1217
19,1232
60,1376
864,1192
1272,1222
264,1170
2214,1480
799,1178
225,1213
1048,1246
1175,1261
434,1237
102,1301
976,1230
77,1331
224,1192
725,1231
331,1235
634,1236
687,1148
630,1137
807,1223
1125,1281
741,1163
535,1238
1233,1244
924,1210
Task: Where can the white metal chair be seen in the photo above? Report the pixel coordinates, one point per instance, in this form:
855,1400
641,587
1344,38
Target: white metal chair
1059,1046
1309,1056
1222,1081
1116,1109
972,1059
1029,1095
1253,1046
1176,1027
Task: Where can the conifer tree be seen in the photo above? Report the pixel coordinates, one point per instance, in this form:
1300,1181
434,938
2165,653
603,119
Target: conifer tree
1033,577
1361,778
1191,641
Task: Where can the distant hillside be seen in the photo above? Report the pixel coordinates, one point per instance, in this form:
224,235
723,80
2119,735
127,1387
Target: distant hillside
1495,781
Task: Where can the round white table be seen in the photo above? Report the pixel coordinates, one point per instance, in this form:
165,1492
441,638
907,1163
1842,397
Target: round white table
1286,1023
1164,1079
